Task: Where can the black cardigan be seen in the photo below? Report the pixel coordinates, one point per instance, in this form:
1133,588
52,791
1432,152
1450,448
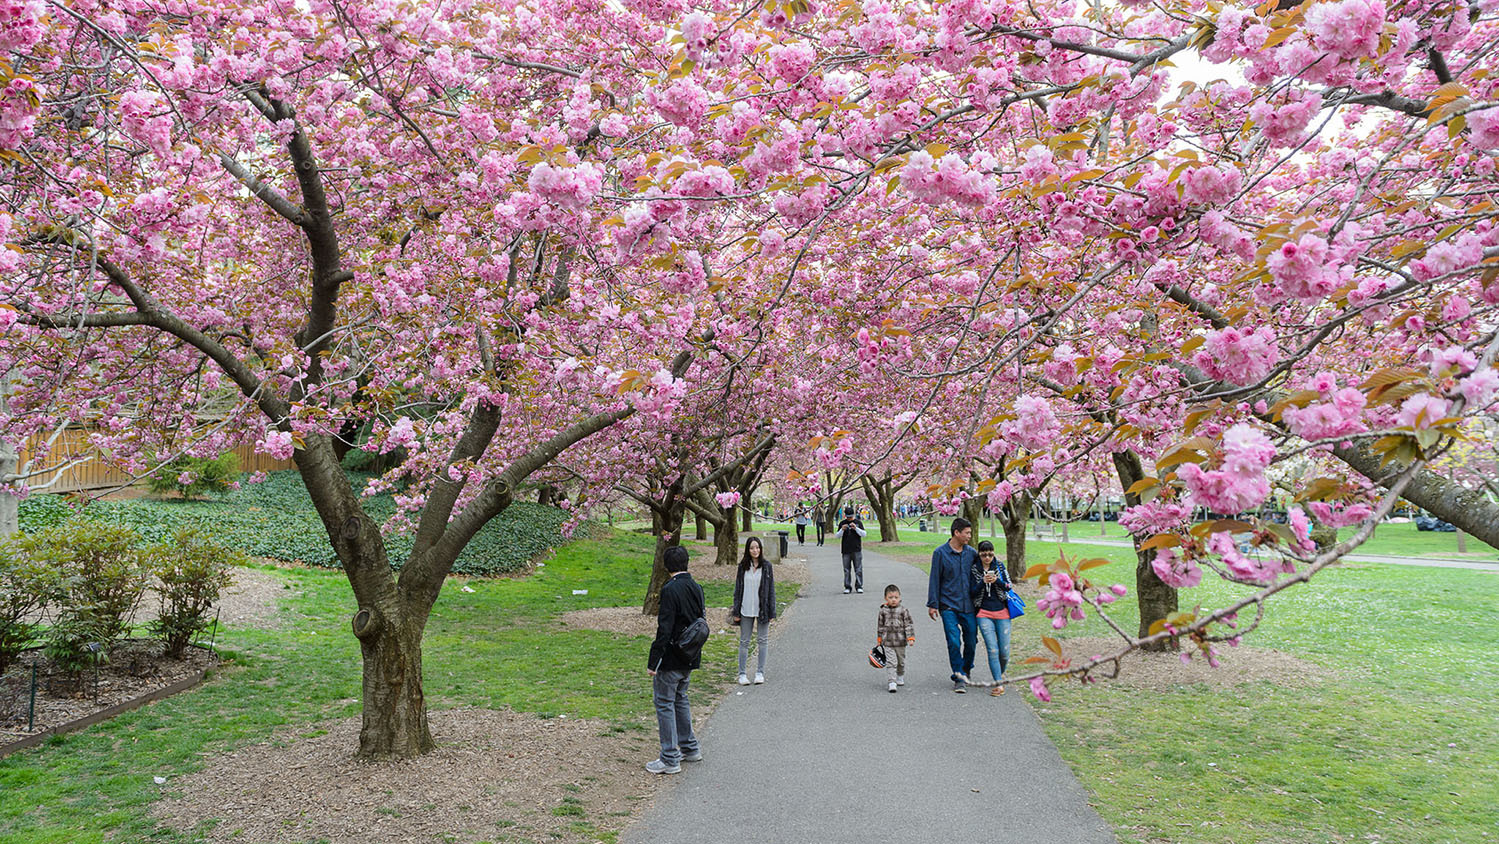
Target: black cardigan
767,591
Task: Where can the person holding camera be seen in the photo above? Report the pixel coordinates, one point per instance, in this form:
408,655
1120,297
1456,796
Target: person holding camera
851,541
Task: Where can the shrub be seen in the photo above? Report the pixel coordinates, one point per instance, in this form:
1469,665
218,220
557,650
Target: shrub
192,571
27,587
194,476
104,576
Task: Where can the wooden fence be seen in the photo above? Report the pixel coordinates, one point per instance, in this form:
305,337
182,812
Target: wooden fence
97,473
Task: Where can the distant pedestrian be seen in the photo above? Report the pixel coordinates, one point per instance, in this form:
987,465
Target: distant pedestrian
990,588
819,518
671,668
754,607
947,597
801,524
894,630
851,544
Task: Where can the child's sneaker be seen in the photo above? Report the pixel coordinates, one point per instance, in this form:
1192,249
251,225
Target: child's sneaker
900,679
759,678
744,679
892,687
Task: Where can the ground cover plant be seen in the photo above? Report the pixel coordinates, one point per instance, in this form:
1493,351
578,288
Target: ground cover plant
275,519
496,646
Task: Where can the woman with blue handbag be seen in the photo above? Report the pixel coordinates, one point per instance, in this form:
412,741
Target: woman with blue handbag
990,588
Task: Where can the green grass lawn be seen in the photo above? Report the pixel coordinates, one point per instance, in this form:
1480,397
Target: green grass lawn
1401,745
1399,540
497,646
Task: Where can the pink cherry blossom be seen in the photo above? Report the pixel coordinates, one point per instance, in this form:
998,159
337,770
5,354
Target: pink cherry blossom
1174,570
1239,357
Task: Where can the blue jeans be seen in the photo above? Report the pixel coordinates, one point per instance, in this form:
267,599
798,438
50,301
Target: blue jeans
673,715
996,633
959,652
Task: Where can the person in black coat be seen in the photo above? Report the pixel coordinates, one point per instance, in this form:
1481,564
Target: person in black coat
671,669
851,544
754,607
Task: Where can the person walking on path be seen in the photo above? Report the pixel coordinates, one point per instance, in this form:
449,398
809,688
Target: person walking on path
894,630
947,597
990,588
851,532
819,518
801,524
670,668
754,607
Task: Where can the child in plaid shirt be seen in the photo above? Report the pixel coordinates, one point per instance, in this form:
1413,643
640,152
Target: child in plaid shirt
895,630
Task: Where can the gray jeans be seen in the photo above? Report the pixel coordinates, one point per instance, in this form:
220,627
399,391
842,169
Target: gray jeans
853,563
895,661
746,625
673,715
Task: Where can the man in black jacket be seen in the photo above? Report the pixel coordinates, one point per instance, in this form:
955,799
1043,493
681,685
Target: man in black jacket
851,543
670,668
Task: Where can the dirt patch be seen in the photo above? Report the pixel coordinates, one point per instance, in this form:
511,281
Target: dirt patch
1159,672
494,774
629,621
254,600
793,569
134,668
251,600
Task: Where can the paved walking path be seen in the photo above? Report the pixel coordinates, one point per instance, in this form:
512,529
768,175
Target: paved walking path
823,754
1081,538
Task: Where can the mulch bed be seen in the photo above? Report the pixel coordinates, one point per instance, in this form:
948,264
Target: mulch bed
494,775
135,667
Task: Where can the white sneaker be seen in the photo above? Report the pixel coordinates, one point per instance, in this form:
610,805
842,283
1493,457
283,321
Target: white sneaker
744,679
847,591
900,679
892,685
759,678
860,590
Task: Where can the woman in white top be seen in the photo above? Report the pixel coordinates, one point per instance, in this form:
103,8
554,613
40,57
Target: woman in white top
756,583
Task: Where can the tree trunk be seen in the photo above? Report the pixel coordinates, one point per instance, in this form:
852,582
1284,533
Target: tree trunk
1012,520
1156,599
882,500
670,536
889,527
700,529
395,710
10,505
747,524
726,540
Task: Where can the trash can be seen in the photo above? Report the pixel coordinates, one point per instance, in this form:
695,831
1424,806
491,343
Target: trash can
785,542
922,525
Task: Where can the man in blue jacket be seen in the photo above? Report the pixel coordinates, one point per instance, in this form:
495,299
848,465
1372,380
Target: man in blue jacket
670,668
947,596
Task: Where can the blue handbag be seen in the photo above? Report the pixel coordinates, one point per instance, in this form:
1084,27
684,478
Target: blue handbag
1016,604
